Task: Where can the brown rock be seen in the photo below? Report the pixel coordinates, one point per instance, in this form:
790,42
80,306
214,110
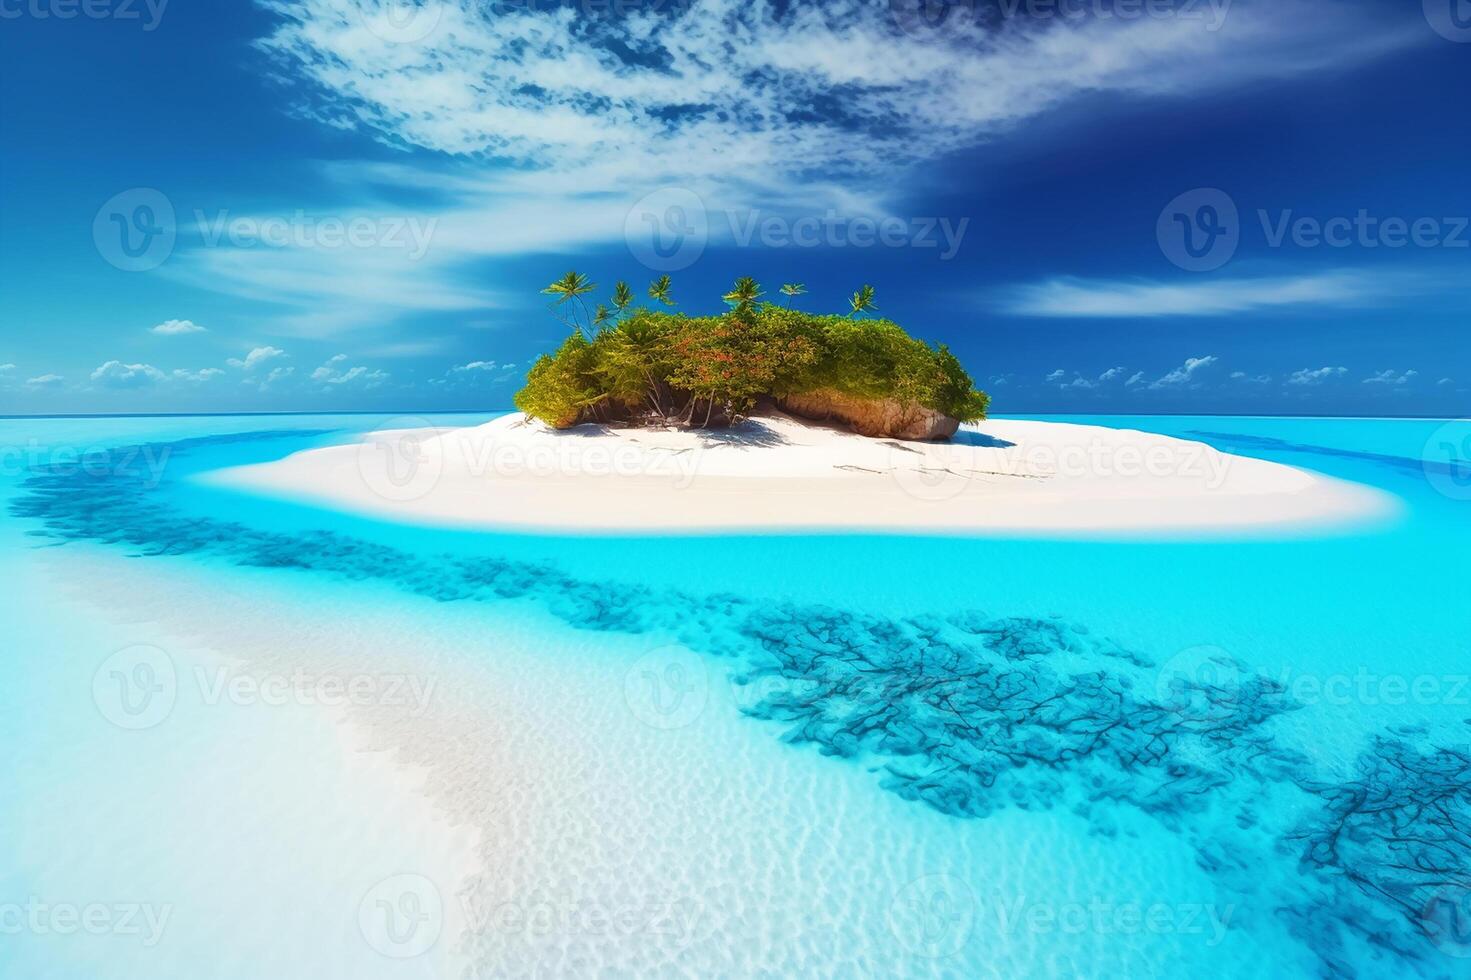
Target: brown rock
875,417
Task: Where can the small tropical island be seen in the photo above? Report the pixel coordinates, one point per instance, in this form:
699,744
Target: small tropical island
766,417
648,367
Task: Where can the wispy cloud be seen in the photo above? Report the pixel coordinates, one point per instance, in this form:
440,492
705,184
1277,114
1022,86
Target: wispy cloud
1391,378
46,381
544,123
1072,297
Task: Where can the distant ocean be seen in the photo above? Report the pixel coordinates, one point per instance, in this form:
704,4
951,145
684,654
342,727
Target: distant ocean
253,738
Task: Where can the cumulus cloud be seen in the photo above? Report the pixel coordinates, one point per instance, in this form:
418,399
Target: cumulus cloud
1258,379
45,381
256,358
173,328
1392,378
197,377
1315,376
1184,375
332,373
116,374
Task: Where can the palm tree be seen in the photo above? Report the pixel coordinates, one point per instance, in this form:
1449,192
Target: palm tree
574,285
659,290
622,297
792,290
601,316
862,302
747,291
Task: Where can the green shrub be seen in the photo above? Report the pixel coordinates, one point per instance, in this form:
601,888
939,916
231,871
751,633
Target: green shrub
674,367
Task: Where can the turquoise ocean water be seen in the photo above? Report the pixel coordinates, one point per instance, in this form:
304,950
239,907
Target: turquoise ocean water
751,755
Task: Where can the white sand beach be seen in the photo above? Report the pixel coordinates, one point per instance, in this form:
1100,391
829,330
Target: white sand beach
775,472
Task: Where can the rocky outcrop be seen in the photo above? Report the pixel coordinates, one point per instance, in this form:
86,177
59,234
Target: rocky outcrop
875,417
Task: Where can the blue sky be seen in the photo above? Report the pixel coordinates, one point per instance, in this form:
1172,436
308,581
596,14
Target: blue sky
1101,205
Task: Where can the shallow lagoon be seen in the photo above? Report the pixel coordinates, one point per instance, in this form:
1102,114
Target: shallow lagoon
751,755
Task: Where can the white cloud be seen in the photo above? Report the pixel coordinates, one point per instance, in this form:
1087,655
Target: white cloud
542,85
173,328
1057,375
1391,378
1112,373
116,374
202,375
1134,379
256,358
6,368
1071,297
1445,381
1259,379
1315,376
276,374
544,123
475,366
331,374
1184,375
45,381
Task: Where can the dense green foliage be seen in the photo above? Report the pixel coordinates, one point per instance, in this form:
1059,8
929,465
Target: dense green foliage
653,365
